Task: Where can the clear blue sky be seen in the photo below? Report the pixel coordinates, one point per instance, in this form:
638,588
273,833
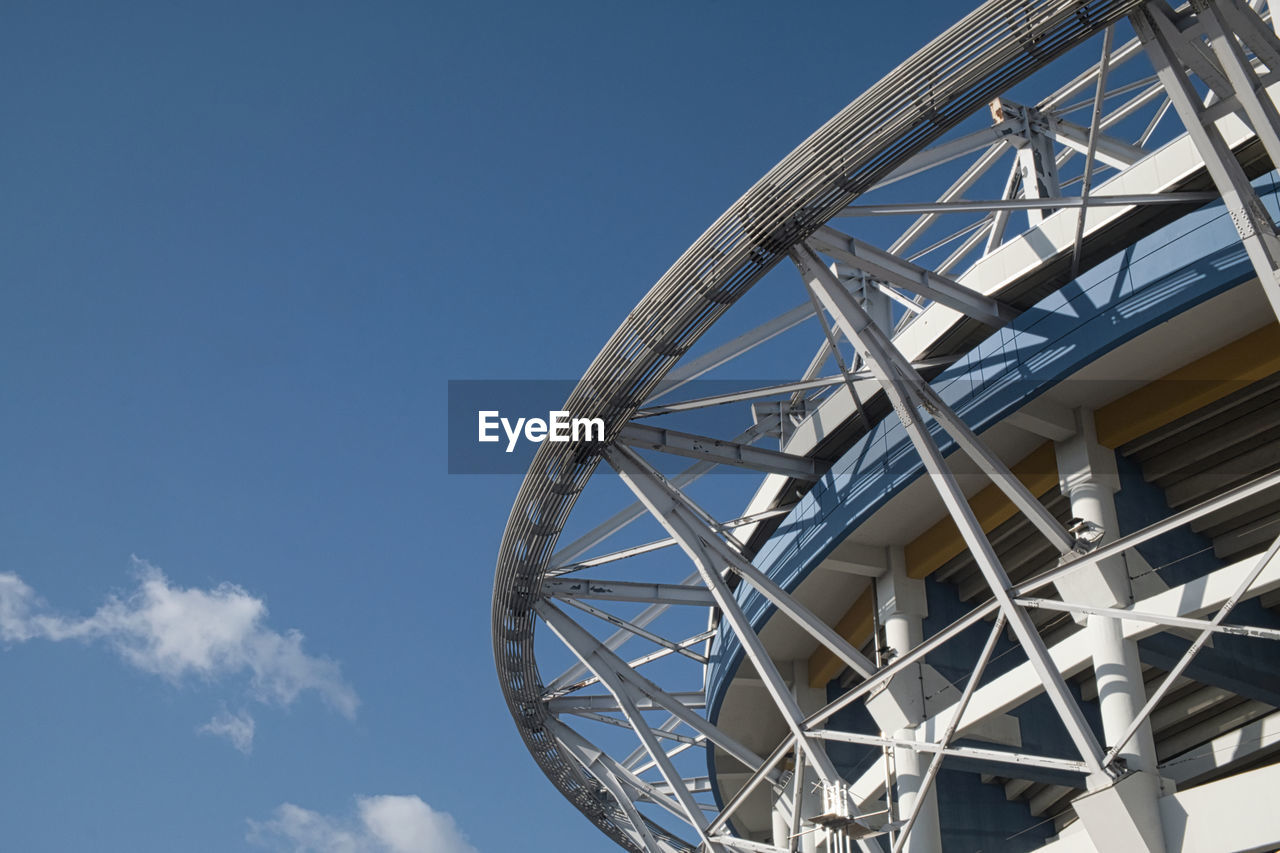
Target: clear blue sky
242,605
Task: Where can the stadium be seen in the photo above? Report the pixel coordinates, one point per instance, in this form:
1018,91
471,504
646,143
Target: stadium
939,502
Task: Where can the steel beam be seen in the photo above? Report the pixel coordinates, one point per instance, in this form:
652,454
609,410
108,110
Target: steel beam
747,845
1037,167
1024,759
961,186
982,226
687,522
910,277
961,252
1108,149
1091,148
691,807
599,717
999,217
602,702
647,593
738,396
1144,84
634,663
1084,80
1154,618
797,801
754,782
619,622
1259,109
952,149
1008,204
721,452
1247,24
1181,30
1253,223
597,657
631,761
658,544
628,514
596,762
730,350
618,639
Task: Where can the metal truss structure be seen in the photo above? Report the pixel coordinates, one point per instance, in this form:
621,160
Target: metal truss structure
1173,112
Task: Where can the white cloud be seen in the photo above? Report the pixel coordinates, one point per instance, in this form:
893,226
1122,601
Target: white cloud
237,728
383,824
17,625
176,633
296,829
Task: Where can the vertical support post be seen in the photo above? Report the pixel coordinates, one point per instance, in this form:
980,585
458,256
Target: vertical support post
984,658
780,818
792,808
902,608
797,797
1037,167
1087,475
810,700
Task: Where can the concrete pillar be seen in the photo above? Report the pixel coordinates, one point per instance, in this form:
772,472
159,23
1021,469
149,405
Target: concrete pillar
1121,694
810,700
1087,475
781,822
902,608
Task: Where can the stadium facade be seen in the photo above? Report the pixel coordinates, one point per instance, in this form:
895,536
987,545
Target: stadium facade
1001,572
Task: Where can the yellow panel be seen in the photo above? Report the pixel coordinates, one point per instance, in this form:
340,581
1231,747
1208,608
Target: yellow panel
1038,471
854,626
1253,357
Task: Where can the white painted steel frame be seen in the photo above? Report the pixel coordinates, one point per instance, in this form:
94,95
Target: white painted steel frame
879,139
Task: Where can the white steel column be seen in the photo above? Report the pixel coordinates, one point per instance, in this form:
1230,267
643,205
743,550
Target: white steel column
1087,475
902,608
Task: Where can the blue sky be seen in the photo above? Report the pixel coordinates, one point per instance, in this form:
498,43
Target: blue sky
242,605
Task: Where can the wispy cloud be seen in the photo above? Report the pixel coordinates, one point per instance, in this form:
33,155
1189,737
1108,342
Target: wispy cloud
179,633
382,824
237,728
